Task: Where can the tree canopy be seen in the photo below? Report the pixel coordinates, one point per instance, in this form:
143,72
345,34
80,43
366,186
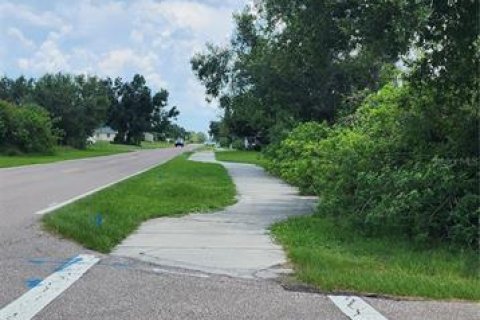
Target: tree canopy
302,60
134,110
78,104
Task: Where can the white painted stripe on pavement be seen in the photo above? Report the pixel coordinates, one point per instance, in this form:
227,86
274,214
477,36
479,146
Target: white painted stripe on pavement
62,204
37,298
356,308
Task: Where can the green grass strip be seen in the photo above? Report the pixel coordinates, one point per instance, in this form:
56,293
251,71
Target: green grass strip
252,157
62,153
180,186
335,259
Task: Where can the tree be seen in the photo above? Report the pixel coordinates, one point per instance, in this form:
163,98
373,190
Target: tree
134,111
174,131
25,128
295,61
197,137
162,118
214,129
77,104
17,91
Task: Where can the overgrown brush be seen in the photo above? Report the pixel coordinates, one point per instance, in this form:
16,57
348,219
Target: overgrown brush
25,129
392,169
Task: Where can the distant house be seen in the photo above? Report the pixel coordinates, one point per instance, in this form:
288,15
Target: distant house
149,137
104,134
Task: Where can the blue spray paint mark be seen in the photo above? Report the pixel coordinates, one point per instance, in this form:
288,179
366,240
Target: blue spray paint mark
68,263
32,282
38,261
98,219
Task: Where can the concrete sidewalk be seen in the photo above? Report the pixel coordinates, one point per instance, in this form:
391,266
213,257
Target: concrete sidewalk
232,242
235,242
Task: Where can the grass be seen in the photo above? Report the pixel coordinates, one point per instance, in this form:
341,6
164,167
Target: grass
174,188
332,258
156,145
61,153
252,157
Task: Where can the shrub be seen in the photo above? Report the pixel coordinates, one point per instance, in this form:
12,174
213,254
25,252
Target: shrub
26,129
238,144
296,157
224,142
385,171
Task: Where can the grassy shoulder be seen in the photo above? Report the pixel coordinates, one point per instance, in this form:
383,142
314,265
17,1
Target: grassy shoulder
62,153
335,259
252,157
103,220
155,145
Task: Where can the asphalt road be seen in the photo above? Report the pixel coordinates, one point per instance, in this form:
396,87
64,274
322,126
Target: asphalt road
122,288
24,191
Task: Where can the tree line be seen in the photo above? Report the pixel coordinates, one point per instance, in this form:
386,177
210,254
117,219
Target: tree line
67,108
372,105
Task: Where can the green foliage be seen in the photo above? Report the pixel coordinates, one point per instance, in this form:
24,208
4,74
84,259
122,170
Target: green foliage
174,188
252,157
297,61
135,111
25,129
296,157
334,257
16,91
238,144
78,105
224,142
198,137
174,131
385,173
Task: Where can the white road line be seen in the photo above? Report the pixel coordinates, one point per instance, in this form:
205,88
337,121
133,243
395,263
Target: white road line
62,204
355,308
37,298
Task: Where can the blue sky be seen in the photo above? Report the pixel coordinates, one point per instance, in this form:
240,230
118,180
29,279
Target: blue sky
118,38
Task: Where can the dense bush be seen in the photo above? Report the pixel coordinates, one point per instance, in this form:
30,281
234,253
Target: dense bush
238,144
224,142
25,129
297,157
388,171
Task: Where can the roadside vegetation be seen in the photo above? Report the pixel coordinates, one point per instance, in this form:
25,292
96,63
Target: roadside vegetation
392,152
103,220
54,117
335,257
61,153
241,156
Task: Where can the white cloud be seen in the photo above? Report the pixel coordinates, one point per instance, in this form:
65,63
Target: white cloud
116,61
48,58
20,37
155,81
113,38
196,18
28,15
136,36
